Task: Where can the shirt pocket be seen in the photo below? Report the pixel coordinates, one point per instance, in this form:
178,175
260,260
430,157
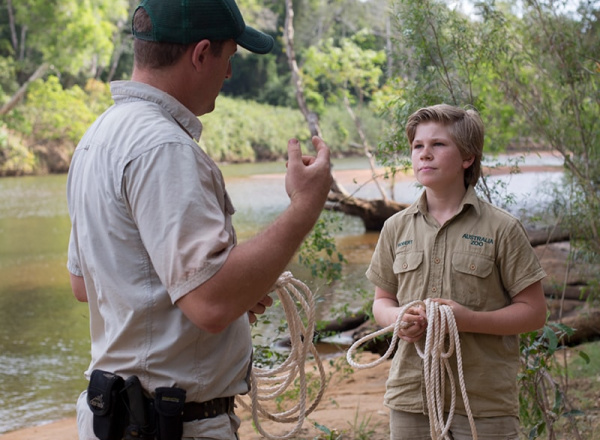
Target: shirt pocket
408,268
471,279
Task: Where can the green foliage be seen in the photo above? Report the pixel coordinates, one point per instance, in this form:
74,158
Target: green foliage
15,158
551,77
343,69
329,434
260,79
8,83
73,35
361,428
247,131
340,132
542,400
452,62
237,131
244,131
52,113
319,251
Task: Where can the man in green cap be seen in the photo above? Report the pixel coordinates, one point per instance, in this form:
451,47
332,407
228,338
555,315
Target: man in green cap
152,250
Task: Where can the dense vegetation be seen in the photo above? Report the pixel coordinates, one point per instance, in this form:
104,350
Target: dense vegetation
530,67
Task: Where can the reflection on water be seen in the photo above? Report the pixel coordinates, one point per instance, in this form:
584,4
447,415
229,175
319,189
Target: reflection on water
44,337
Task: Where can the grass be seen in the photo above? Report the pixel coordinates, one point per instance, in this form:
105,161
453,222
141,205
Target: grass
581,384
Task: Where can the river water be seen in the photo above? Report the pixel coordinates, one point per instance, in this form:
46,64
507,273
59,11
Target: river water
44,339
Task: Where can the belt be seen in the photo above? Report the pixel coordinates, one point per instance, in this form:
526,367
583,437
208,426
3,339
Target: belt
209,409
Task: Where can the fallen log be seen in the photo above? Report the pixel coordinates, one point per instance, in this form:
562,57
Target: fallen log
547,235
373,212
585,325
575,292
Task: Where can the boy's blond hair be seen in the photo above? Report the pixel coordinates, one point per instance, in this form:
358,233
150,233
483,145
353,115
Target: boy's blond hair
465,127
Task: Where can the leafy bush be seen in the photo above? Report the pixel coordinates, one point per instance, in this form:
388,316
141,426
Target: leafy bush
53,119
245,131
15,158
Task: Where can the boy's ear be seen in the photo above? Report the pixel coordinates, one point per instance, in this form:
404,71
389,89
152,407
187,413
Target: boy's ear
468,162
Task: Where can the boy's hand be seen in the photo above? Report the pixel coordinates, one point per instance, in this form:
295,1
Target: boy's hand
414,324
461,313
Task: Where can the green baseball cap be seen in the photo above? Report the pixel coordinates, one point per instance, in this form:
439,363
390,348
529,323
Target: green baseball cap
190,21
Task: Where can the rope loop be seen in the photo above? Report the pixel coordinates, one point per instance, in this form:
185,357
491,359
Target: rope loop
270,383
441,327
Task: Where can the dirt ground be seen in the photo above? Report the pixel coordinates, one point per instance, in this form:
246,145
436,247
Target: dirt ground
352,405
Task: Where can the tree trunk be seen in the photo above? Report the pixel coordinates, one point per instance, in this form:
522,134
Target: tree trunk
14,100
365,146
11,24
372,212
311,118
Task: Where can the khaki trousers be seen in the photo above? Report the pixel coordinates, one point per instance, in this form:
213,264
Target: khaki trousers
412,426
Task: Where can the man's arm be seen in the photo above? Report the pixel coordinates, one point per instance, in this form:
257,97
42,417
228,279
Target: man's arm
78,287
253,267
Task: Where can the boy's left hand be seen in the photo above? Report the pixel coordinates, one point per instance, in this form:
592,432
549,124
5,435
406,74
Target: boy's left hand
461,313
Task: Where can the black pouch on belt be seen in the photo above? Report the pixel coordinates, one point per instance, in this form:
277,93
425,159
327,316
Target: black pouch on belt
141,411
104,400
168,405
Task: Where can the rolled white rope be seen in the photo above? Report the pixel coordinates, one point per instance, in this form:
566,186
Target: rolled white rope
436,364
270,383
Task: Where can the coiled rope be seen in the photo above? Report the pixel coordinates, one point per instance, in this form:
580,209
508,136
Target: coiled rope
270,383
436,364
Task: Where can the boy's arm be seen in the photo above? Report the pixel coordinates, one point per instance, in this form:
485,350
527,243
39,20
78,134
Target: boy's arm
527,312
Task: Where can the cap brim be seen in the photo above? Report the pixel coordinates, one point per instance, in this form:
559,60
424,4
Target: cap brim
255,41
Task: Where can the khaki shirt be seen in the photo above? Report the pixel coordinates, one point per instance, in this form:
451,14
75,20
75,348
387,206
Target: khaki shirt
151,221
481,258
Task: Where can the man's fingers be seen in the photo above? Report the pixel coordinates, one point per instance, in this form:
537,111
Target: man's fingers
308,160
321,148
294,150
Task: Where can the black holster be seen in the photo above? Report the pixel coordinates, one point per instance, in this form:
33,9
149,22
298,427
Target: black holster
141,411
104,400
123,411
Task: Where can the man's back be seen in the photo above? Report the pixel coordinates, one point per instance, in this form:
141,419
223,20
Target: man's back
133,190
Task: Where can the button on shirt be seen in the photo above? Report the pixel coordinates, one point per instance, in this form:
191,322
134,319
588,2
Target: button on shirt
480,258
151,221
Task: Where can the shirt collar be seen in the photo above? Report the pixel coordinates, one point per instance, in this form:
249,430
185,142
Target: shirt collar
127,91
470,199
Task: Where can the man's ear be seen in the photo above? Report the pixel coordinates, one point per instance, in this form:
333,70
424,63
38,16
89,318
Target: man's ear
199,53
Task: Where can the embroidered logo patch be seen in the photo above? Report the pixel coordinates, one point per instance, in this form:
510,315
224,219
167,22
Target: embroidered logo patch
476,240
405,243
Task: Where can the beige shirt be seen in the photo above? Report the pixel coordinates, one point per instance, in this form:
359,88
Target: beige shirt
480,258
151,220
